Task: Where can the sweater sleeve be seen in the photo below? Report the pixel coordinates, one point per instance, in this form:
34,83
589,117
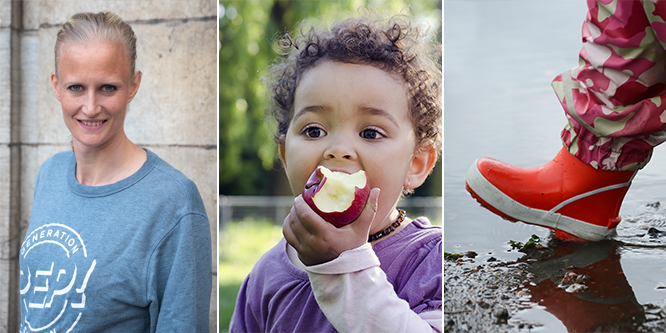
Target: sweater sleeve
243,319
355,295
179,278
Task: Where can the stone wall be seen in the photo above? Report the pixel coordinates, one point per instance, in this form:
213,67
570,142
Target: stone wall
174,113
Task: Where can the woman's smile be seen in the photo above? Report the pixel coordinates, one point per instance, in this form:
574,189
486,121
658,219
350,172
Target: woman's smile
91,125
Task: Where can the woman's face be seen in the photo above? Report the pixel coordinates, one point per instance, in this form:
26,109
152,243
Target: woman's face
94,86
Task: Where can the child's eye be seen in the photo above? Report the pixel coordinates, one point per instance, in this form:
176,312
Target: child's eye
75,88
108,88
313,132
371,134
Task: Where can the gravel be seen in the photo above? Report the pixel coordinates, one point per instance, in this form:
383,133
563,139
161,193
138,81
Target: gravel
485,297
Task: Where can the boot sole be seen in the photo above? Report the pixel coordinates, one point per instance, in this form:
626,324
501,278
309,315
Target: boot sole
500,204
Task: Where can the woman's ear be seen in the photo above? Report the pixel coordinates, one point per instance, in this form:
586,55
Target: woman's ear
136,82
422,163
54,83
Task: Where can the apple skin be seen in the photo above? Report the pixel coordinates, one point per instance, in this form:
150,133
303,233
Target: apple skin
338,218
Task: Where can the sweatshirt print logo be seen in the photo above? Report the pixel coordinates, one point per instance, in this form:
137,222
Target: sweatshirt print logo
56,287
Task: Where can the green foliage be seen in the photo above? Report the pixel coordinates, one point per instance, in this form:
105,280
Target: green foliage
534,241
246,150
247,30
452,256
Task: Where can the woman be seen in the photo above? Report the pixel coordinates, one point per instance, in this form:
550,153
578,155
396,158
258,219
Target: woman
118,239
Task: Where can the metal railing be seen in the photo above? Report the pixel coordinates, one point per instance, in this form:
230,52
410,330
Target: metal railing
238,208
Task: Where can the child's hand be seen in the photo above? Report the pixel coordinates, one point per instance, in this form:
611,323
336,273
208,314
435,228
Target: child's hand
318,241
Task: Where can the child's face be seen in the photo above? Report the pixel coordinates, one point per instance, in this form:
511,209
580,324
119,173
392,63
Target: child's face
349,117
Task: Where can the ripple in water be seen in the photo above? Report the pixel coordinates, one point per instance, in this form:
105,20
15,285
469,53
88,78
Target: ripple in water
644,227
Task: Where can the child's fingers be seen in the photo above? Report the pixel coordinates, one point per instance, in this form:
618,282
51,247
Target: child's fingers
364,221
287,229
310,220
294,229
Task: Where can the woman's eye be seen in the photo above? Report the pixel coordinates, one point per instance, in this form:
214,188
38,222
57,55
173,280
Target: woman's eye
313,132
108,88
75,87
371,134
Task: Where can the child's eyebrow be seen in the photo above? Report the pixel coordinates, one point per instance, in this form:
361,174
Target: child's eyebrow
378,112
363,109
309,108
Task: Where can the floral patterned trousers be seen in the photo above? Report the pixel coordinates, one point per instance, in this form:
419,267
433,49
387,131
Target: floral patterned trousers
615,100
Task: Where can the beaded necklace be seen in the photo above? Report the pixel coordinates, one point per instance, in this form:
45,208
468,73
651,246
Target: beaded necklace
401,217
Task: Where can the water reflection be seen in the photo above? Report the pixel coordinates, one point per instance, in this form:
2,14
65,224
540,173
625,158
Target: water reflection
584,286
499,59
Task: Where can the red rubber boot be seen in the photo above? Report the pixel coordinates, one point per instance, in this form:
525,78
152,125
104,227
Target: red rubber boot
576,200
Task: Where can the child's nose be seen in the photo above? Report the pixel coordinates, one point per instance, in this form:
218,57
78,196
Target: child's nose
344,156
340,150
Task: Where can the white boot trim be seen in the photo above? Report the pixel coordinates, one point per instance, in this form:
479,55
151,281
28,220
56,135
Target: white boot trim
587,194
505,204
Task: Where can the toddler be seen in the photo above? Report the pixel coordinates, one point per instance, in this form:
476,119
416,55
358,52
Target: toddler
362,95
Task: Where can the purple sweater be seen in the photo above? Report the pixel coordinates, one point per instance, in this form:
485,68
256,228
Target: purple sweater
277,297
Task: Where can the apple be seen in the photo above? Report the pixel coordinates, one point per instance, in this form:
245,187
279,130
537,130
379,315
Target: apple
337,197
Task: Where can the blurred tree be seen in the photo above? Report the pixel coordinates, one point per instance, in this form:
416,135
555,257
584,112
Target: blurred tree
248,156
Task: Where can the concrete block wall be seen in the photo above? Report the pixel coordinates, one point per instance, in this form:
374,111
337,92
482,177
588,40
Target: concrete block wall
174,113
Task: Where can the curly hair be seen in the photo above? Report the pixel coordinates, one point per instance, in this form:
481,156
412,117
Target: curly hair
391,44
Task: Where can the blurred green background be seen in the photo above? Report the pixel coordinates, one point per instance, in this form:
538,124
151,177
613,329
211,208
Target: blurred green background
248,156
248,29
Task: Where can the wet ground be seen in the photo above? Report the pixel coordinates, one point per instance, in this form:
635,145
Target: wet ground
553,287
499,60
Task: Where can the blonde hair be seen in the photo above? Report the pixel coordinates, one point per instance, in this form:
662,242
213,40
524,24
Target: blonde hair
83,28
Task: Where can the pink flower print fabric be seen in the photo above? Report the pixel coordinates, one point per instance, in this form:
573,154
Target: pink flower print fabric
615,100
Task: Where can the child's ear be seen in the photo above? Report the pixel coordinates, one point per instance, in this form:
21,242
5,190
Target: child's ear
281,153
422,163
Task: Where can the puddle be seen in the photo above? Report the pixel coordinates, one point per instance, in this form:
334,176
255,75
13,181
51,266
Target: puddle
499,59
537,319
585,287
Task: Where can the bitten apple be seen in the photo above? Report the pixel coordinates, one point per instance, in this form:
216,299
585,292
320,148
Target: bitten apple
337,197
